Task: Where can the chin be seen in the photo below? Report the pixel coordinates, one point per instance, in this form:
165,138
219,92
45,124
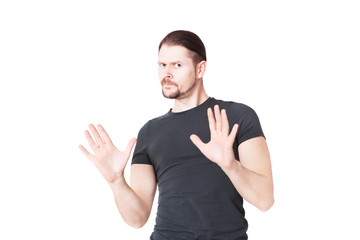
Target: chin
171,95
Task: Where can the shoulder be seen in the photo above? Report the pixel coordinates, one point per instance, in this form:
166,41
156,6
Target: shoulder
154,122
235,108
143,129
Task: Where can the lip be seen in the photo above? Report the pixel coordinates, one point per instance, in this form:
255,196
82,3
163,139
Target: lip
168,84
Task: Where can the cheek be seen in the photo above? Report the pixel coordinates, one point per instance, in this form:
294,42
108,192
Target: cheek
161,74
187,74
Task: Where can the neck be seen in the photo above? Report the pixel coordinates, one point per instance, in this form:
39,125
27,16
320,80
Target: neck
194,99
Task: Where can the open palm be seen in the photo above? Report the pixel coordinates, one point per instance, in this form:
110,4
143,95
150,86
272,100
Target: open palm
220,147
107,158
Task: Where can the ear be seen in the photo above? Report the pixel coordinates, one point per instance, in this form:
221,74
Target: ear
200,69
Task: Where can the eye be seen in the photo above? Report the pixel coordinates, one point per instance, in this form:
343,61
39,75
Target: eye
162,64
177,65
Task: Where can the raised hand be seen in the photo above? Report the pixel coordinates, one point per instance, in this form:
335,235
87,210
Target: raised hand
220,147
107,158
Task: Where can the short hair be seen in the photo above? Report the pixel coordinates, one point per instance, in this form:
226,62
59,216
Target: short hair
189,40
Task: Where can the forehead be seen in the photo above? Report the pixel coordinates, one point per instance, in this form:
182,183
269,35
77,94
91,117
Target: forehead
169,53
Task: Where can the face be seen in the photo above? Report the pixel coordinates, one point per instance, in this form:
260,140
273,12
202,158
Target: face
176,71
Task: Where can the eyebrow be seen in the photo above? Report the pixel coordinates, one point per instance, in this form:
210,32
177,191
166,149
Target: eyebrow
172,62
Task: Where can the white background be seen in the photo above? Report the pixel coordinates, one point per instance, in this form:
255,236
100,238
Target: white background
65,64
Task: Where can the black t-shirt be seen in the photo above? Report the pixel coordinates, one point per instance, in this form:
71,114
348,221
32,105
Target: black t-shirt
196,198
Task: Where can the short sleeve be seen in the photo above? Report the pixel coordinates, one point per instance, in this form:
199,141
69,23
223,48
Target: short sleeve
249,126
140,155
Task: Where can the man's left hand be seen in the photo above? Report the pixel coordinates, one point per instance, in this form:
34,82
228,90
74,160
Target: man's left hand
220,147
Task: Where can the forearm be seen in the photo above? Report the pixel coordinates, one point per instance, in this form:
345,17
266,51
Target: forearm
131,207
255,188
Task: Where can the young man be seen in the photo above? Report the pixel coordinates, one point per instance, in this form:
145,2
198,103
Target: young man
205,155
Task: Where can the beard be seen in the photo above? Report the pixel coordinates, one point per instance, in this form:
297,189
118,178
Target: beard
173,94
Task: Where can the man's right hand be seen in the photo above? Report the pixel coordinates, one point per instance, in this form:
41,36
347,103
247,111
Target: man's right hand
107,158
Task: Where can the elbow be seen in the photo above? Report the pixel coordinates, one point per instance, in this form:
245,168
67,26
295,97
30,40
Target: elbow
137,222
266,204
137,225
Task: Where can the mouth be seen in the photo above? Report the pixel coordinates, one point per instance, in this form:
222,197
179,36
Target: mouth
167,84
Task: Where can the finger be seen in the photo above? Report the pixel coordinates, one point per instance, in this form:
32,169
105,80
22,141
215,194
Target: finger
197,141
91,142
104,134
129,147
96,135
233,132
211,120
218,118
86,153
225,122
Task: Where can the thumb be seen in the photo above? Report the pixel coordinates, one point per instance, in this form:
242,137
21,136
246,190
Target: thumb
129,147
197,141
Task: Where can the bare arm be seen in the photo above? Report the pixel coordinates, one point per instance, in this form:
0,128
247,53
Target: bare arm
252,176
134,203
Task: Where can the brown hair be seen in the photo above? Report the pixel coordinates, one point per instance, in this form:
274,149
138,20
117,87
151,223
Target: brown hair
189,40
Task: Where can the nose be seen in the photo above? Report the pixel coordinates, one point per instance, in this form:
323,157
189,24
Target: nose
168,72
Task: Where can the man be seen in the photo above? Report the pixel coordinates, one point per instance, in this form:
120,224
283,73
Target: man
204,154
